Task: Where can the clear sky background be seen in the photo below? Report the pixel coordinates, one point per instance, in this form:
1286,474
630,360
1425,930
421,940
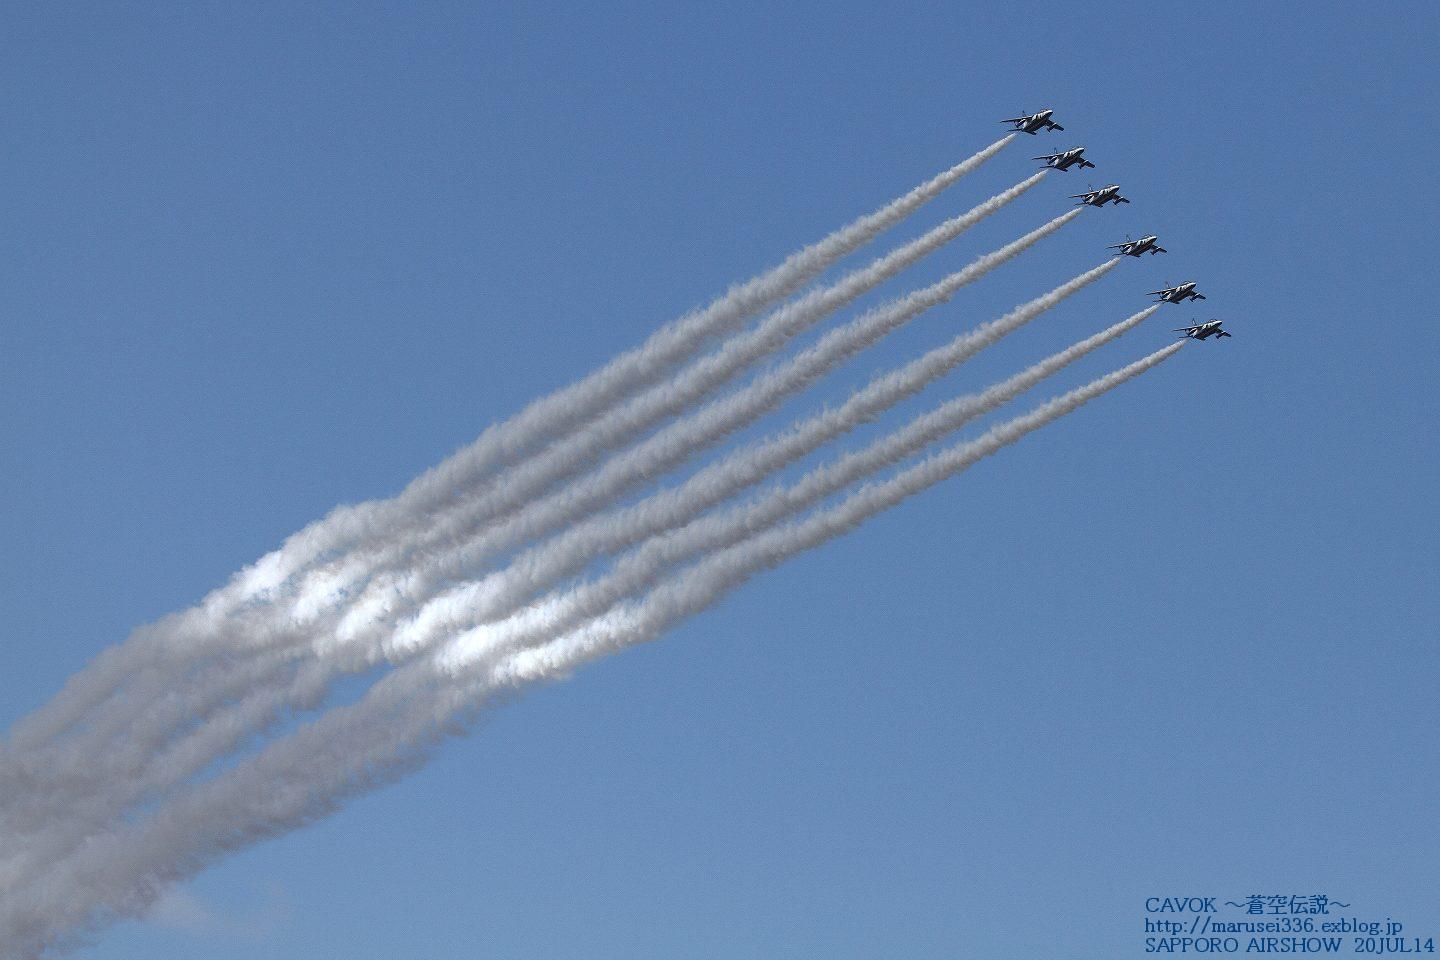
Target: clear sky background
259,260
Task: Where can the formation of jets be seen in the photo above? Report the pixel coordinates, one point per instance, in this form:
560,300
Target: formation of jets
1075,157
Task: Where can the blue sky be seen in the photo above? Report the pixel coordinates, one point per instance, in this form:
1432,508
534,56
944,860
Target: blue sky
260,260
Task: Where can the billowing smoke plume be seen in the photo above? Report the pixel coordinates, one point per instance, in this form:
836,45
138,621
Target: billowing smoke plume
351,749
542,421
154,761
167,707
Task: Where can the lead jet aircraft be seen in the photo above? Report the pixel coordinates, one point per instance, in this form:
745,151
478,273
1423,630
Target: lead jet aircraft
1210,328
1066,160
1035,123
1133,248
1098,198
1178,293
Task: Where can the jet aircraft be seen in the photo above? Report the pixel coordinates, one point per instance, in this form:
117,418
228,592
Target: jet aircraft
1066,160
1098,198
1133,248
1035,123
1200,331
1178,293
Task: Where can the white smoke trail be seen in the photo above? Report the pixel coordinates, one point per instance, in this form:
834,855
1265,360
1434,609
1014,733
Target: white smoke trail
540,422
550,417
695,589
662,451
663,553
352,749
128,741
153,689
674,444
392,548
606,533
110,789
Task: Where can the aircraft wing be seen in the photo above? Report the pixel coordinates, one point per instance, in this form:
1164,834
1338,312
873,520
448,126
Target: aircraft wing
1053,156
1056,126
1085,163
1160,293
1015,120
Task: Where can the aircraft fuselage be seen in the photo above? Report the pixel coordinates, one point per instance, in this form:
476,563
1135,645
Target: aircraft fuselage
1206,330
1181,293
1066,160
1098,198
1133,248
1035,123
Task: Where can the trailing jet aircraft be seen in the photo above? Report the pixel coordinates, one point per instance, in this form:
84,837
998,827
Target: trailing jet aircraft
1066,160
1133,248
1210,328
1098,198
1035,123
1178,293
